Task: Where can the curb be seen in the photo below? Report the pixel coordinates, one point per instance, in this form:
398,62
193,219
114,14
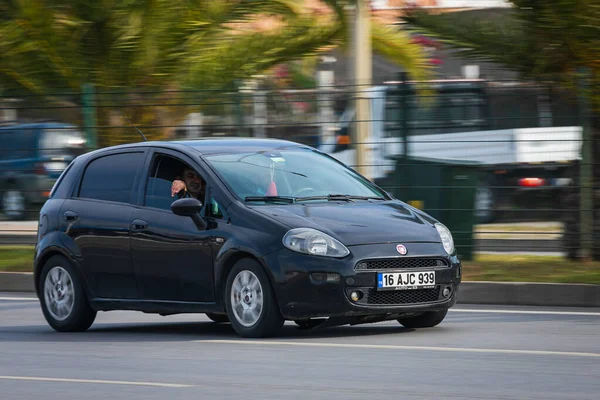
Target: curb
499,293
16,282
529,294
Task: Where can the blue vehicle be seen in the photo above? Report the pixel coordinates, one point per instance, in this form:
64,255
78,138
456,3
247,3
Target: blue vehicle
32,157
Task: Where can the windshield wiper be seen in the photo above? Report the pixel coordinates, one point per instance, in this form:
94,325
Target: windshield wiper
340,197
364,197
271,199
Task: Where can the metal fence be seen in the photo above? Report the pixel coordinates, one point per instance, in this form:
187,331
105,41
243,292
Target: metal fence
498,162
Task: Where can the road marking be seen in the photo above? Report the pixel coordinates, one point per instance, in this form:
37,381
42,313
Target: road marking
399,347
67,380
487,311
19,298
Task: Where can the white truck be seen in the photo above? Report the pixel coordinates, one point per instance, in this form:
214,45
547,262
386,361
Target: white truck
520,164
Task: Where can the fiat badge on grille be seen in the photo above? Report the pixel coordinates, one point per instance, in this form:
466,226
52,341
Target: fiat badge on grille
401,249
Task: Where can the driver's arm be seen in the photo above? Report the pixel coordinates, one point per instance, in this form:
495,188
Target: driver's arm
178,188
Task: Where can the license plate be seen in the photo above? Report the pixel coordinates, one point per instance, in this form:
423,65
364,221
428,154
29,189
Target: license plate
405,280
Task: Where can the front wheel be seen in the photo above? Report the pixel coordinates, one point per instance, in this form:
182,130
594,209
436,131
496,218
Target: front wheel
62,297
426,320
251,304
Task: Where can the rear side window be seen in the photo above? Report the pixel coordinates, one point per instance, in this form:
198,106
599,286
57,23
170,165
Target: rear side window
111,178
58,184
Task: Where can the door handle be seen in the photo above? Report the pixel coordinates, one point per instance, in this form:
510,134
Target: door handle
139,225
71,216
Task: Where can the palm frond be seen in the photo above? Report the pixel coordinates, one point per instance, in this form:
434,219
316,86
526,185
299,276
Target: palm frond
339,9
396,45
495,36
215,62
210,14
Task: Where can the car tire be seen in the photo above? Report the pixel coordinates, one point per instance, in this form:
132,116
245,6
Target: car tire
426,320
62,297
250,301
218,318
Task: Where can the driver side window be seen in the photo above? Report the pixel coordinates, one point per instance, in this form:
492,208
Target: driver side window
164,171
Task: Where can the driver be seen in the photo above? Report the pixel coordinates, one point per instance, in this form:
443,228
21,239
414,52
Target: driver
190,185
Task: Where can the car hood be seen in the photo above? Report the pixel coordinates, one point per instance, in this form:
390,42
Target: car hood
358,223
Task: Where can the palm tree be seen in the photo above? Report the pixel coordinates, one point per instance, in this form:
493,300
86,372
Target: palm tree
542,40
63,44
160,46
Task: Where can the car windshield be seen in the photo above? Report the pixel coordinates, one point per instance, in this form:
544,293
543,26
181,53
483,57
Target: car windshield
290,175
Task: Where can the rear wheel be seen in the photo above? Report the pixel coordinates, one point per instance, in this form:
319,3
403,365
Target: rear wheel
218,318
251,304
426,320
62,297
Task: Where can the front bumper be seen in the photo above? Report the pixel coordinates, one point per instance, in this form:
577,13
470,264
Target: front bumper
311,287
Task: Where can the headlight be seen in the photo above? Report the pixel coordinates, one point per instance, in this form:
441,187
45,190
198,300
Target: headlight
446,237
314,242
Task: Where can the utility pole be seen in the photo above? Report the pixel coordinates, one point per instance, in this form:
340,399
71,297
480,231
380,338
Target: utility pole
362,81
586,203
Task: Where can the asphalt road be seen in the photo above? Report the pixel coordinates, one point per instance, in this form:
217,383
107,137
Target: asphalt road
476,353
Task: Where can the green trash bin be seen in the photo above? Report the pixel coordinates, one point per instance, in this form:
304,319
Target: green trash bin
444,189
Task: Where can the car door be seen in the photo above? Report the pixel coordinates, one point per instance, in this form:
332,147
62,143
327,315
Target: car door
172,256
97,217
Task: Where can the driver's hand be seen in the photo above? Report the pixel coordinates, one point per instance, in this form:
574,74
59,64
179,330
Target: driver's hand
177,187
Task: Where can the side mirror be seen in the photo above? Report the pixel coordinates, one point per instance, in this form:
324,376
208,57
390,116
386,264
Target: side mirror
186,207
189,207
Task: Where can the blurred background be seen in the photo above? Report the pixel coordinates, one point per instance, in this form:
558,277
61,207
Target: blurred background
483,113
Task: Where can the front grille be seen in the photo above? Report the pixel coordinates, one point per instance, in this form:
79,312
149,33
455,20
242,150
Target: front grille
392,297
401,263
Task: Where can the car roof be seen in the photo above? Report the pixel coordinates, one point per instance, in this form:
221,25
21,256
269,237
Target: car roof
237,145
208,146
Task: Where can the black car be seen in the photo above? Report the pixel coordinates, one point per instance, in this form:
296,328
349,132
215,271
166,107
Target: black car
268,231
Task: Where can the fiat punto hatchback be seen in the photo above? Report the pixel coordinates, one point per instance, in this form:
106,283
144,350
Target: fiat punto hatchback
251,232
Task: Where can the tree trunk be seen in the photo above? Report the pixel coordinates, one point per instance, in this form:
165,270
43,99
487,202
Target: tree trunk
571,201
596,186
